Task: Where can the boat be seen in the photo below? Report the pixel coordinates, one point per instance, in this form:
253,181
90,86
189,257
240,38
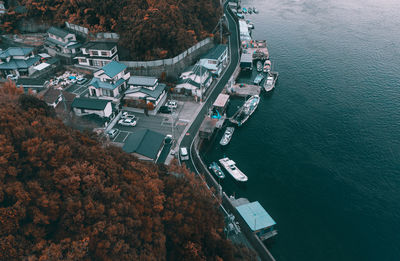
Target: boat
230,166
258,78
250,10
269,83
217,170
250,26
244,10
259,66
242,115
227,136
255,10
267,66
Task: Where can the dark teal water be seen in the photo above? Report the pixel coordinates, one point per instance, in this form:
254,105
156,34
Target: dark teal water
322,152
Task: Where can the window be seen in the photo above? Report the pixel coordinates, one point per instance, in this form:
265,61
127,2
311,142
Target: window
108,93
212,62
104,53
94,53
97,63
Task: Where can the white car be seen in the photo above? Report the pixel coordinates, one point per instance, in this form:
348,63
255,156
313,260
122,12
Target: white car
113,133
127,122
172,104
126,115
184,153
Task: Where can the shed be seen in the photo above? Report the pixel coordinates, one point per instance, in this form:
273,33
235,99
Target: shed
221,102
145,144
207,127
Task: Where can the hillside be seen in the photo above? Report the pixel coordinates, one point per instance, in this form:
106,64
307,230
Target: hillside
149,29
65,196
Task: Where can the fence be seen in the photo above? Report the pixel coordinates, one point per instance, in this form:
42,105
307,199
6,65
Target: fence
172,66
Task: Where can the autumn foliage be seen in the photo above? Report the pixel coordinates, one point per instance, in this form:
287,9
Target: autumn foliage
149,29
65,196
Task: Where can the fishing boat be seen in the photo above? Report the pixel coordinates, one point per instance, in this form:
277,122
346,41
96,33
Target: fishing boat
258,78
250,10
250,26
230,166
244,10
255,10
227,136
269,83
267,66
243,114
259,66
217,170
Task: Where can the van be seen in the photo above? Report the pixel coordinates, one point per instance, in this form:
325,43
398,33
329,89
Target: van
184,153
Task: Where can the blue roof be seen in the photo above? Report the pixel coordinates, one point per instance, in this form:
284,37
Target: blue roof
152,93
16,51
255,216
215,52
19,63
97,83
113,68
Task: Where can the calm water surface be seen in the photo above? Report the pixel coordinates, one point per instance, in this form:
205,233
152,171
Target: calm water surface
322,152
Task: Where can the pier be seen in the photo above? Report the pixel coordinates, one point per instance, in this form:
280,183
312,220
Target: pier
244,90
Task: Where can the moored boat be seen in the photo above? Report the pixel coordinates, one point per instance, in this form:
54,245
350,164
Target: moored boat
250,10
244,10
258,78
243,114
269,83
230,166
217,170
255,10
267,66
259,66
226,138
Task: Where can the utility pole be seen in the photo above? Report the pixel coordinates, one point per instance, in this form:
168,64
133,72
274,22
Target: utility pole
220,30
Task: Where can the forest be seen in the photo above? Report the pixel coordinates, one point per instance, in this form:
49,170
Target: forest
65,195
149,29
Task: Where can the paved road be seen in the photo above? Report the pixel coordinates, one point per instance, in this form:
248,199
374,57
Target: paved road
234,47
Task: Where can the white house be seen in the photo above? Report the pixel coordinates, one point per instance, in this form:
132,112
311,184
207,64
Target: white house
98,54
61,42
194,80
146,89
216,59
85,106
109,82
18,61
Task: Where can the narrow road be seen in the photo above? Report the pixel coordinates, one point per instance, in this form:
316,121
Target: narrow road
234,56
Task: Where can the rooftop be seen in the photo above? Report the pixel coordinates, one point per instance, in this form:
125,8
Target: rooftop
105,46
91,104
196,69
113,68
152,93
255,216
28,82
142,81
215,52
19,63
221,100
97,83
144,142
16,51
58,31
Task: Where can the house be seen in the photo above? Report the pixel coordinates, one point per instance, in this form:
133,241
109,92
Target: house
97,54
145,90
62,43
36,85
194,80
85,106
109,82
216,59
58,99
18,61
145,144
3,9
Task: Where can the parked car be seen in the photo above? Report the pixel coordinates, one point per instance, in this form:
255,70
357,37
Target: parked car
81,80
165,109
168,139
184,154
126,115
127,122
113,133
172,104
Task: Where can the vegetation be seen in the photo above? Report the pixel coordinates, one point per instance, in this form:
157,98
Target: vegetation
149,29
65,196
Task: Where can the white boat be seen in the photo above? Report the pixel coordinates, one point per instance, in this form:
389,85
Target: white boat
259,66
243,114
267,66
258,78
230,166
255,10
227,136
269,83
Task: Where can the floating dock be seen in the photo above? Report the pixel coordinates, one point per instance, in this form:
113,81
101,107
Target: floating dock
244,90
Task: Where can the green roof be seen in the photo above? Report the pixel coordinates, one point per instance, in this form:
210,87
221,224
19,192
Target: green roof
14,64
215,52
142,81
196,69
15,51
91,104
58,31
144,142
97,83
113,68
255,216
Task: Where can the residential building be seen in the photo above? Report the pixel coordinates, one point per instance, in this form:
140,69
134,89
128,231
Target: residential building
144,90
145,144
62,42
84,106
35,85
58,99
17,61
3,10
216,59
98,54
109,82
194,80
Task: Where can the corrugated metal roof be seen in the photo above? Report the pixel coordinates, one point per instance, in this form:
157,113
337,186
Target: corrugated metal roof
255,216
142,81
58,31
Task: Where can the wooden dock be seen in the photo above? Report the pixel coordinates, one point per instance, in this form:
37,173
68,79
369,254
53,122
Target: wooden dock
244,90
